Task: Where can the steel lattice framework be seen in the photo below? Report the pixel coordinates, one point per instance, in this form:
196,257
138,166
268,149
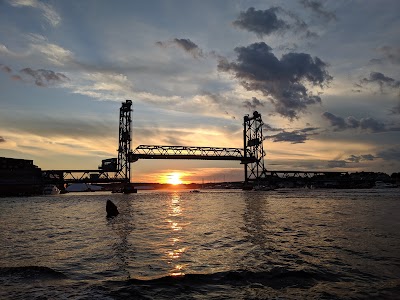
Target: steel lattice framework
79,176
253,145
125,138
188,152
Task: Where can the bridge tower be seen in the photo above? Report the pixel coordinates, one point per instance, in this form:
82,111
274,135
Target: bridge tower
253,147
125,138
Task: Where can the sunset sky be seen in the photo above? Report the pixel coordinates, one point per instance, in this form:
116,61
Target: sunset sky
325,75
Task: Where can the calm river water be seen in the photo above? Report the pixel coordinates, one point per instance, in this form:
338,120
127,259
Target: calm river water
231,244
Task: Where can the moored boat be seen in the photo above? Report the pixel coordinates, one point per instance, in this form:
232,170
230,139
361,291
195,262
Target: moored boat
51,190
384,185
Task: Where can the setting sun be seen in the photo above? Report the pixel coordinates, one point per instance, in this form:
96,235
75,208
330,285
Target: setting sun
174,178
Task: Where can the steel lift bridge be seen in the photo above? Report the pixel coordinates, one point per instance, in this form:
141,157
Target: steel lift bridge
119,169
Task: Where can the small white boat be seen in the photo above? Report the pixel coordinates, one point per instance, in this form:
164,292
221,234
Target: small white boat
51,190
384,185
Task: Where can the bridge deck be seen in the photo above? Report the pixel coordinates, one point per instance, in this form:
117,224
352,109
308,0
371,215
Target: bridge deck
304,174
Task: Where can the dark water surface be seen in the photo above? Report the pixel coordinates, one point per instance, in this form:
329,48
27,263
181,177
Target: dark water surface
287,244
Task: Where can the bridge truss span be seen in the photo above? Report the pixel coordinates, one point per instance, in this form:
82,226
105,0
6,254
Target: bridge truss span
60,177
187,152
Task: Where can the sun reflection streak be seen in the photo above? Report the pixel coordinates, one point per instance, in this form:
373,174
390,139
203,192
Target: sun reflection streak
178,270
174,255
175,226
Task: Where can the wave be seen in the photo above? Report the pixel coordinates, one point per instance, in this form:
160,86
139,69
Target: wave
276,278
31,272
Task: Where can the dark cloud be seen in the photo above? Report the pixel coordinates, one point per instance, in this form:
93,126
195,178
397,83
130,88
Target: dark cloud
318,9
294,137
274,20
367,157
357,158
335,121
2,140
5,68
373,125
43,77
253,104
337,164
370,124
352,122
381,80
258,69
261,22
392,153
352,159
186,44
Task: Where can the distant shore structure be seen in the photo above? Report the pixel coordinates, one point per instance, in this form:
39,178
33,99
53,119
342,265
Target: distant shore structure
19,177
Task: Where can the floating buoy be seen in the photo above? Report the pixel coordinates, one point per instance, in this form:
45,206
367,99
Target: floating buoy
111,209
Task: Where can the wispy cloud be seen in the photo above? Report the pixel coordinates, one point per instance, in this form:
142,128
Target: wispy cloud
47,10
39,49
53,53
5,50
